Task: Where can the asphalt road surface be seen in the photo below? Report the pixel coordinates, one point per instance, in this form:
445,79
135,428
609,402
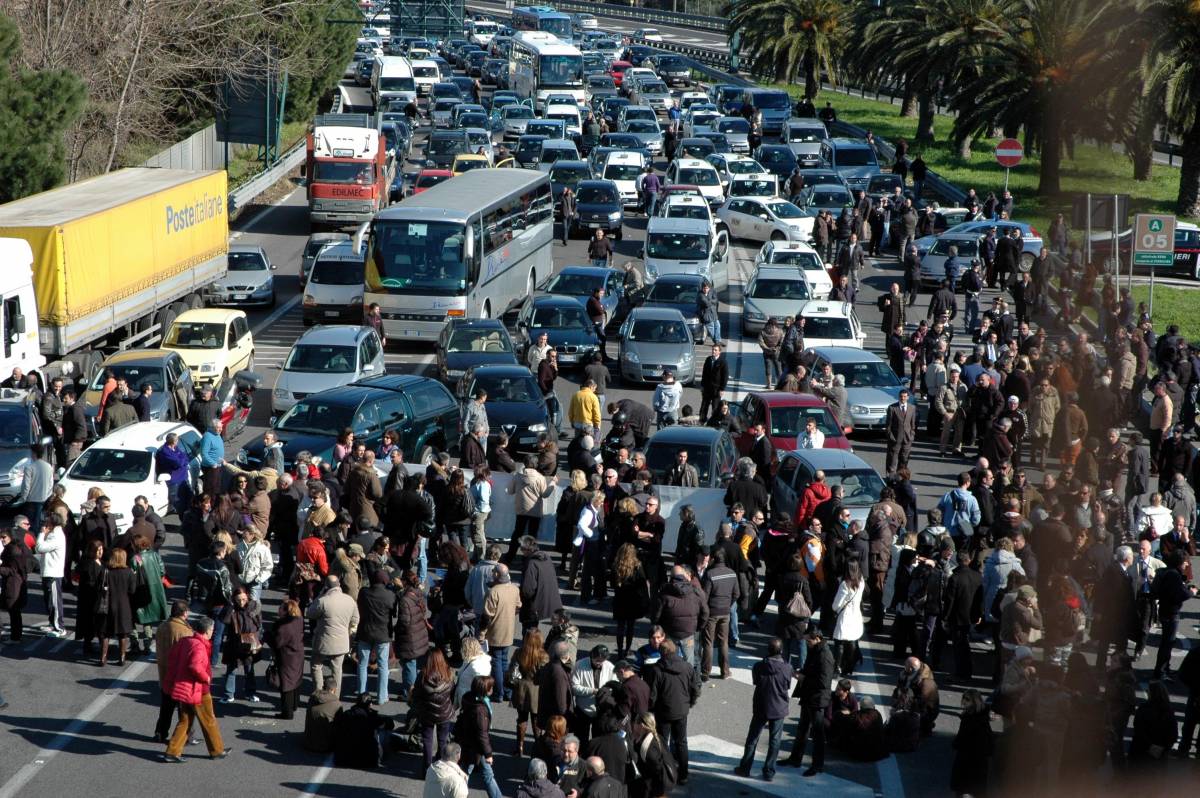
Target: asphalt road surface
74,728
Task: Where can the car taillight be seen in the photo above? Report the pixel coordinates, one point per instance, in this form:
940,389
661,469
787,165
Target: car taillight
1033,232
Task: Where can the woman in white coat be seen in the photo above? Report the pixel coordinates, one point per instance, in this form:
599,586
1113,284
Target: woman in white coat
847,604
475,663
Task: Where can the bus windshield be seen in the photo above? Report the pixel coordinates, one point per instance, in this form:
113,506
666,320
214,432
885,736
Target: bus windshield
560,70
421,258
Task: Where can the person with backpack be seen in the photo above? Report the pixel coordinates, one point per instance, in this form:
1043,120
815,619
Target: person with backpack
960,512
210,592
657,772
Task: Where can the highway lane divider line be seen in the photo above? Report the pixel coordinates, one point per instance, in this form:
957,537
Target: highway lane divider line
73,730
276,315
318,778
257,218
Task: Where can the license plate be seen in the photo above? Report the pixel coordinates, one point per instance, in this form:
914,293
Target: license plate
567,358
594,225
240,297
329,314
411,333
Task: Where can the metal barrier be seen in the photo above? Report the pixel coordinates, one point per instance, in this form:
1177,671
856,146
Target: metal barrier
703,55
943,190
247,192
651,15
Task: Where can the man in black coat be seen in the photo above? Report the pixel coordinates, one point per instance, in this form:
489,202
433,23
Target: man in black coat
1008,257
1137,480
598,784
674,690
747,491
610,745
943,302
713,379
1171,590
815,678
963,609
772,684
1115,618
984,405
639,417
762,453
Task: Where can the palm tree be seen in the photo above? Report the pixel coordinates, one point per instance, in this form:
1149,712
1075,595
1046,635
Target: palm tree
1175,72
784,37
1041,74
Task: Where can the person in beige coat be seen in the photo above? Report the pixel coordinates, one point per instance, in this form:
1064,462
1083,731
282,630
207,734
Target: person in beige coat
165,638
347,567
266,472
1044,404
499,625
530,487
335,618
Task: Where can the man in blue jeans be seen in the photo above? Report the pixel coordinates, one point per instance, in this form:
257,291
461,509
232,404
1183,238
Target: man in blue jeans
772,689
499,624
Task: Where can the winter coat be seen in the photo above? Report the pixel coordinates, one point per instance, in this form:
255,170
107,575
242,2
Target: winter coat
682,610
772,687
554,691
479,666
631,598
499,622
323,708
239,621
847,603
287,643
816,676
674,688
433,701
787,626
540,598
411,627
530,487
363,489
720,584
122,583
165,638
973,746
335,617
524,687
540,788
472,730
585,682
376,612
154,611
996,568
1043,409
445,780
189,670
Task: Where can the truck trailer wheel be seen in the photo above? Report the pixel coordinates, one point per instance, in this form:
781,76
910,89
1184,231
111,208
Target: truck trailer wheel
166,317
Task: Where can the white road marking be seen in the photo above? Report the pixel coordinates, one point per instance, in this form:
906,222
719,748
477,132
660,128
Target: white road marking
712,755
258,217
73,730
318,778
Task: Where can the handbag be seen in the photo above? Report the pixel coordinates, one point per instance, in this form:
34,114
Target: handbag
273,677
101,607
797,607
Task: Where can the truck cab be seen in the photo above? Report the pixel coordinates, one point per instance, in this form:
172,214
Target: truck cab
346,170
18,309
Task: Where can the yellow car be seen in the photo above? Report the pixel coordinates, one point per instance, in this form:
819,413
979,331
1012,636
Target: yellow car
214,342
467,162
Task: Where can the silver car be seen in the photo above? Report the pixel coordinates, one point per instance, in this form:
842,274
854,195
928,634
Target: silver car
737,133
515,118
648,133
248,280
655,339
871,385
774,292
327,357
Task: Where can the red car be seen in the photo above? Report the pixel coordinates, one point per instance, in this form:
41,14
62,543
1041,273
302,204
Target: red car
428,178
783,415
617,71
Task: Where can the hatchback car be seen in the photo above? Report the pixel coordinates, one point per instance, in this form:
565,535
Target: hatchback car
515,405
327,357
696,172
728,166
765,219
871,385
777,158
710,451
783,416
653,340
567,327
529,147
122,465
421,410
428,178
763,185
466,343
694,147
164,371
933,262
553,150
861,484
444,146
648,134
736,131
773,292
214,343
824,198
248,281
598,206
804,137
679,292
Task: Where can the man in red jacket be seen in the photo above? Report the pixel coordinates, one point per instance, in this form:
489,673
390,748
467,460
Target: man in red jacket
189,673
814,494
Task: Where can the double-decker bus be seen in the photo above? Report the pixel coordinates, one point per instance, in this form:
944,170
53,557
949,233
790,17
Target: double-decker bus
469,247
543,18
540,64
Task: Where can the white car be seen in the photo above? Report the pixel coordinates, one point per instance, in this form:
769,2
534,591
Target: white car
623,169
729,166
831,324
802,256
686,206
690,98
121,464
649,34
327,357
765,219
748,184
568,115
695,172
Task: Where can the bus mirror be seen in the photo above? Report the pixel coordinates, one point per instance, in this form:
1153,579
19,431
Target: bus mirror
469,244
359,235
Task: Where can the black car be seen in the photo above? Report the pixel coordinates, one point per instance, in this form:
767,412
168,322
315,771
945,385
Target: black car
446,91
443,145
719,141
466,343
515,405
637,53
495,70
611,107
474,63
695,147
711,451
821,176
529,147
778,159
563,173
679,291
672,69
421,410
626,142
466,85
567,328
598,207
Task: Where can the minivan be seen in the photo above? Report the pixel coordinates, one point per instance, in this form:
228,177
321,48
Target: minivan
685,246
334,291
853,159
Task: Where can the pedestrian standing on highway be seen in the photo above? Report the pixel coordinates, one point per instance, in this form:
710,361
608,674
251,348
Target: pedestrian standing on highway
770,340
912,274
823,237
720,585
567,206
212,455
334,617
37,484
919,172
706,309
188,680
287,645
713,379
668,396
600,250
75,426
851,258
674,690
901,432
772,677
598,315
815,678
165,638
52,418
243,642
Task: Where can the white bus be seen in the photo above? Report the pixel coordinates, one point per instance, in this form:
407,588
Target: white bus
469,247
392,80
540,64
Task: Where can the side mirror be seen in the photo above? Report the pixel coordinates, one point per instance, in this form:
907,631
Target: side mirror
18,323
61,472
368,368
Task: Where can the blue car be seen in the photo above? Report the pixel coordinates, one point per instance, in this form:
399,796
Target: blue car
578,282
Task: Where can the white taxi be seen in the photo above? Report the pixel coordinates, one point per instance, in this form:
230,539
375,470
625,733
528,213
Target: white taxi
802,256
831,324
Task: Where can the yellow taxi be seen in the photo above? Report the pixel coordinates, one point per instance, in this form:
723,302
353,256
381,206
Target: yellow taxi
215,343
467,161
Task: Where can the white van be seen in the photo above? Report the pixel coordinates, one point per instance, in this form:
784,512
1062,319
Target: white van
623,169
482,32
334,291
425,74
392,80
677,245
568,114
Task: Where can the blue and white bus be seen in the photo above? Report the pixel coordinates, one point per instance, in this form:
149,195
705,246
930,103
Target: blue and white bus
543,18
470,247
540,64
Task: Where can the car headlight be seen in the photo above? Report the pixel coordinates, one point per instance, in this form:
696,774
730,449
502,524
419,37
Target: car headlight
208,366
755,315
356,300
280,393
241,456
309,302
693,321
16,474
860,409
265,287
614,216
155,415
651,270
632,357
687,358
537,427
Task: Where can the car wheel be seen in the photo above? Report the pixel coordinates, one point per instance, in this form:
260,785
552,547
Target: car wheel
778,236
426,456
250,362
620,236
271,302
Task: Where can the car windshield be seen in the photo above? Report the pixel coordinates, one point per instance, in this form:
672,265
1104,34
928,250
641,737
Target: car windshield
552,154
829,199
195,335
884,184
425,72
528,146
569,175
734,126
780,289
699,177
337,272
316,245
621,171
658,331
752,188
827,327
596,196
673,291
445,145
860,488
478,341
788,422
640,113
621,140
649,87
804,135
314,358
601,82
474,119
566,117
695,149
786,210
343,172
429,181
396,84
704,119
516,112
677,246
417,258
746,167
854,156
561,317
574,284
467,164
772,99
805,260
316,417
821,178
774,155
687,211
507,389
246,262
660,457
135,375
553,129
445,105
642,126
872,374
966,249
112,465
15,428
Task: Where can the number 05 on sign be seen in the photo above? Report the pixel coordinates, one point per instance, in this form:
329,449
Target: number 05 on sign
1153,239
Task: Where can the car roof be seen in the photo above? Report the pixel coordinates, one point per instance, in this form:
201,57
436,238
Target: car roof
656,314
829,459
594,182
579,164
845,354
679,433
224,315
555,300
792,246
681,278
333,334
392,382
482,324
788,399
779,271
248,248
677,224
558,144
692,163
138,356
503,370
435,173
143,435
588,271
841,142
684,199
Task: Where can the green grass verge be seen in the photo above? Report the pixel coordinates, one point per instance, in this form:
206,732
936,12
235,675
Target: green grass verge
1172,305
245,164
1094,169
